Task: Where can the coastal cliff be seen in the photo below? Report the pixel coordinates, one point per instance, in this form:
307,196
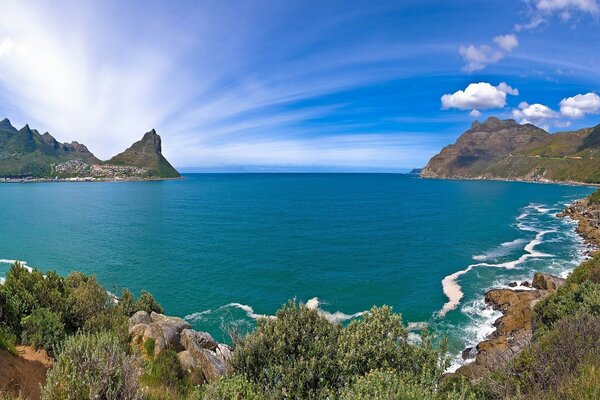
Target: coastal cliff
507,150
26,154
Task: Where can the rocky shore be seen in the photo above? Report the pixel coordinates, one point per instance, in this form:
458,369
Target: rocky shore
514,329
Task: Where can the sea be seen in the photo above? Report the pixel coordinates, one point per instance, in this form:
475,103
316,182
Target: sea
222,250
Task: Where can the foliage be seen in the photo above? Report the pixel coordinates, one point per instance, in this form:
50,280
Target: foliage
594,198
93,366
380,341
587,271
391,385
149,347
126,305
565,302
8,340
292,355
301,355
43,329
166,370
231,388
147,303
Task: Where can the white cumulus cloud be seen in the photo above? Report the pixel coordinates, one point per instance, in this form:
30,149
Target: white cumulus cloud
507,42
536,114
580,105
478,96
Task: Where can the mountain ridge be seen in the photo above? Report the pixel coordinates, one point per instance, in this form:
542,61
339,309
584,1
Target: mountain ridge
505,149
27,154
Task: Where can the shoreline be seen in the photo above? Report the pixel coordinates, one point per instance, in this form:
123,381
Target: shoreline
513,330
521,180
84,179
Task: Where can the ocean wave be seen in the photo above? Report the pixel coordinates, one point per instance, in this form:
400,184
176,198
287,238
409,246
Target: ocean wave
453,290
23,263
503,250
313,304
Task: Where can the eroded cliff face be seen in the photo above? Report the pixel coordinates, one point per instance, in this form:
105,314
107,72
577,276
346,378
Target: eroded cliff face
504,149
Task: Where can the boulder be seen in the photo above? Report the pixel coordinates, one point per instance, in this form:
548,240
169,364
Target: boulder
526,284
188,365
154,331
469,352
513,284
547,282
175,323
137,330
140,317
209,357
189,338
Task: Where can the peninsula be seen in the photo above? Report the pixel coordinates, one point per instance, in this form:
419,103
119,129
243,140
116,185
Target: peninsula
27,155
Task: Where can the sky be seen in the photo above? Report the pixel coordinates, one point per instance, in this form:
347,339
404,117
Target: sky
348,85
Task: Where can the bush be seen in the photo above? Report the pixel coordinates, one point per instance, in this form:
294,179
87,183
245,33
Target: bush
93,366
587,271
380,341
126,305
8,340
555,360
166,371
567,301
147,303
292,356
390,385
86,300
149,347
594,198
232,388
43,329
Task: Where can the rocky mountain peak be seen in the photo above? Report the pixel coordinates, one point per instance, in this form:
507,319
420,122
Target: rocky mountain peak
153,139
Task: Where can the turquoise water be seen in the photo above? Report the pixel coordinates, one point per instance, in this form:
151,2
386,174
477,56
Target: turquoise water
220,249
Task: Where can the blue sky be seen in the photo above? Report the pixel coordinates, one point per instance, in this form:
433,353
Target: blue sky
314,84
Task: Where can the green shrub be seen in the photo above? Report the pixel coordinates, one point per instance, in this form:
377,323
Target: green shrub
149,347
292,356
567,301
555,362
147,303
594,198
93,366
380,341
8,340
86,300
587,271
43,329
126,305
391,385
165,370
231,388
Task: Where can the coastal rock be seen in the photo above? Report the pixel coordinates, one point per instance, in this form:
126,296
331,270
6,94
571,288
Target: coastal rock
175,323
526,284
188,365
513,330
189,338
547,282
137,330
154,332
212,361
469,352
140,317
513,284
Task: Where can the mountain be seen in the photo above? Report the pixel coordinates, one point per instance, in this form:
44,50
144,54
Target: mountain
147,153
504,149
26,153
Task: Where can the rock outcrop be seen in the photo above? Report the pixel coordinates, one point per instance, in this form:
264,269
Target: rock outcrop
202,357
587,214
513,330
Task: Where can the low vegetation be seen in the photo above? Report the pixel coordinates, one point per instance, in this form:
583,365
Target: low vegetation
297,355
563,361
